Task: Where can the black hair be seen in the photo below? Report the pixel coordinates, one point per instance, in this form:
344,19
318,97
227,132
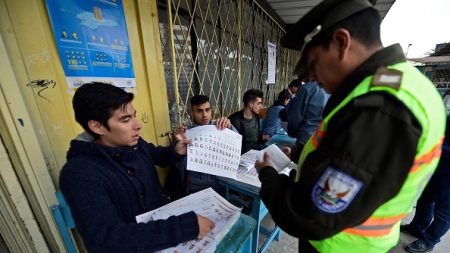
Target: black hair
295,83
97,101
284,94
198,100
363,26
251,95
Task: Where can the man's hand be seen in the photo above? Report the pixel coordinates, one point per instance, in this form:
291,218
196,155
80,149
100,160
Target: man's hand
265,137
204,226
179,130
222,123
264,163
180,137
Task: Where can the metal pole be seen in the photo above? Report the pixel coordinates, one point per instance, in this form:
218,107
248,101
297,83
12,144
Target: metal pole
174,64
239,53
407,50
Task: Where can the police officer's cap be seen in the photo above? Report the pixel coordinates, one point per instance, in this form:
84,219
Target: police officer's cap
321,17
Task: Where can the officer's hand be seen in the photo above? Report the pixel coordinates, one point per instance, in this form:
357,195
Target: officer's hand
204,226
222,123
293,175
264,163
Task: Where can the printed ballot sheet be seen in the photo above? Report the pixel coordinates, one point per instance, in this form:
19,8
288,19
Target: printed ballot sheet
279,160
246,172
214,151
207,203
248,176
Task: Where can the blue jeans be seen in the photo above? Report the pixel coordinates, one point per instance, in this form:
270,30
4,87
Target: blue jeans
432,217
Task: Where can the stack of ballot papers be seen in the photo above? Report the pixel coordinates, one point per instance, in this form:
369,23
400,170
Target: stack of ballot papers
248,159
207,203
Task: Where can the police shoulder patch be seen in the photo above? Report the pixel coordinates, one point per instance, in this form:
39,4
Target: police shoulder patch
387,77
335,190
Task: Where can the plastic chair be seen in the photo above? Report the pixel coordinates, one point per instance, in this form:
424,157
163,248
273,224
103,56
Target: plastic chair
63,218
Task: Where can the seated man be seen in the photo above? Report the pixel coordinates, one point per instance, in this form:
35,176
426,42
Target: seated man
110,177
201,114
277,114
246,121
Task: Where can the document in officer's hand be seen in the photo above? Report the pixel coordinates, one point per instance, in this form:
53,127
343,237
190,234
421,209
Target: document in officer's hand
247,172
279,159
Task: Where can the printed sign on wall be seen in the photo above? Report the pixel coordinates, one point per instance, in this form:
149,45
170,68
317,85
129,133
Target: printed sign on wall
271,62
92,41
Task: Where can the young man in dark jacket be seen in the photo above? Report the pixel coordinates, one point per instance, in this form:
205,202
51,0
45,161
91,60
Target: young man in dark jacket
201,115
246,121
110,177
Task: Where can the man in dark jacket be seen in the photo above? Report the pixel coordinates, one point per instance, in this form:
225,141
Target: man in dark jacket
110,177
246,121
293,86
201,115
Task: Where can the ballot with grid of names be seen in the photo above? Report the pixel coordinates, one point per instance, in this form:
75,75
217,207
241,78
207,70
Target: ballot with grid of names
213,151
218,152
207,203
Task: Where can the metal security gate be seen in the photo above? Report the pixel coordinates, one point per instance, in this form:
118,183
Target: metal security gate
441,76
219,48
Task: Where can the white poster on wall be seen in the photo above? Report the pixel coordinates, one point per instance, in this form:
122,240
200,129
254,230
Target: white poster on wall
272,62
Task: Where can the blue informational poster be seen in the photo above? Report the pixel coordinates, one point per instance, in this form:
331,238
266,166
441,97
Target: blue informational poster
92,41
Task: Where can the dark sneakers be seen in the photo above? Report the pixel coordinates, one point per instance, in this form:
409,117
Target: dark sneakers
418,246
410,230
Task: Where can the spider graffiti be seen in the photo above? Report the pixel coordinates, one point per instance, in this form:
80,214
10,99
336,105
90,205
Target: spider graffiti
43,85
144,118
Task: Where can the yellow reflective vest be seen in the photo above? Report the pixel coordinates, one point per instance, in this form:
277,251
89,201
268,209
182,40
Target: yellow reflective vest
380,232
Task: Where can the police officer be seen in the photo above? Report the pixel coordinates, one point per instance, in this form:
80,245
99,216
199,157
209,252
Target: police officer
377,146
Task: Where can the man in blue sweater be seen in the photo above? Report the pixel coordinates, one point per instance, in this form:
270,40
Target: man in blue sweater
276,114
110,177
305,114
